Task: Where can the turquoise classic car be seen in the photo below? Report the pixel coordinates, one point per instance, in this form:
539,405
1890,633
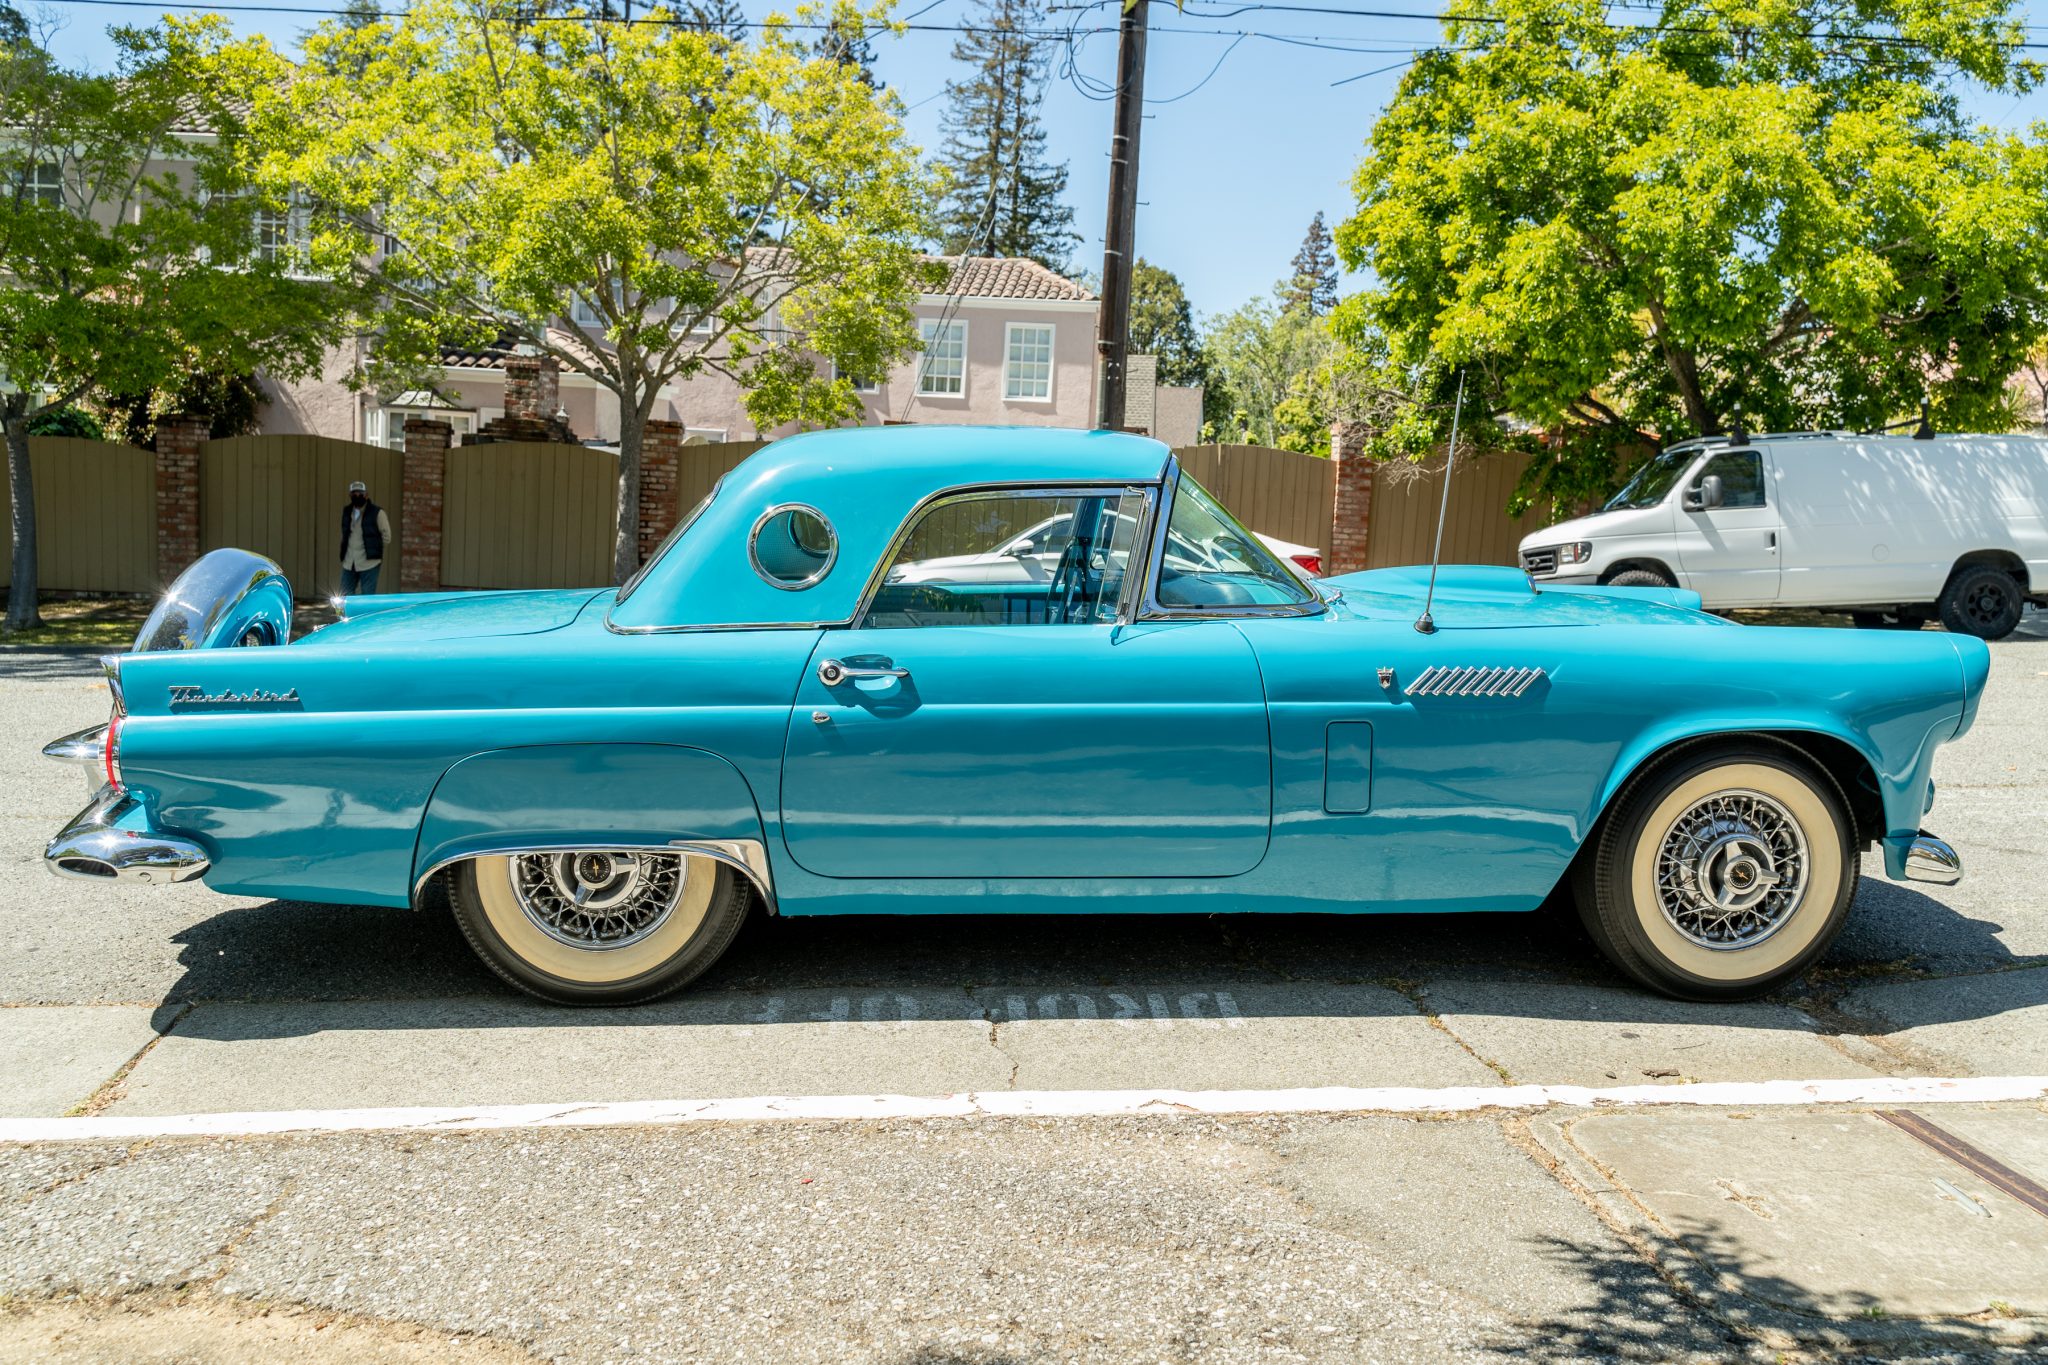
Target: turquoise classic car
792,709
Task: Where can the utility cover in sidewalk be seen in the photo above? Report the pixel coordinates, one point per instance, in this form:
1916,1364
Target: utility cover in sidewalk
1840,1215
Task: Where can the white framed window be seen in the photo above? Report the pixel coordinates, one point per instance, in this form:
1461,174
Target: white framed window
942,372
43,183
860,385
703,436
285,233
584,313
1027,361
385,426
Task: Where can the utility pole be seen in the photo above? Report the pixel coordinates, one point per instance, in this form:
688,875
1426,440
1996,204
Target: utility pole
1113,335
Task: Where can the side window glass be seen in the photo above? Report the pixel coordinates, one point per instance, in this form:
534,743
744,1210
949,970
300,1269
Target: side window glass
1742,477
1011,559
1213,562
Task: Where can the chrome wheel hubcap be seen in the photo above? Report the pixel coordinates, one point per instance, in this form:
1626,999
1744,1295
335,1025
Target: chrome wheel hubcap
1731,870
594,898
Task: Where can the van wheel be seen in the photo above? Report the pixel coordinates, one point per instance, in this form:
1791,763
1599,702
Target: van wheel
1640,578
1982,600
1722,874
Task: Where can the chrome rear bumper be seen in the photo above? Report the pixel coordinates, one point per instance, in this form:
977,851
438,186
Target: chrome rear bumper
1929,859
112,840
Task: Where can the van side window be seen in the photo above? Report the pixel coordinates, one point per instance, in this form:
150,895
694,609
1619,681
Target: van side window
1742,477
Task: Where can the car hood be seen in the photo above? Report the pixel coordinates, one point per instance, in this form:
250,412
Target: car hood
399,618
1488,597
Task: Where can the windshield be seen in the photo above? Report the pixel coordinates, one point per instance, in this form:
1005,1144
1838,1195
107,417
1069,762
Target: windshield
1653,480
640,574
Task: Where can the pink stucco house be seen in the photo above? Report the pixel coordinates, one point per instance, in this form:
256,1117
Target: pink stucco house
1006,341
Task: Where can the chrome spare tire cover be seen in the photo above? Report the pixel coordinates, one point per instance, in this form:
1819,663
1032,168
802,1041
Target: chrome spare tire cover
227,597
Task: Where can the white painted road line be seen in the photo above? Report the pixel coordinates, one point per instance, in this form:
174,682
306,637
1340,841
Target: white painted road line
1039,1104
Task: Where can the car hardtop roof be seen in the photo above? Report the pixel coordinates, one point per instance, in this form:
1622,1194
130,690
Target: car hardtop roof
865,481
966,454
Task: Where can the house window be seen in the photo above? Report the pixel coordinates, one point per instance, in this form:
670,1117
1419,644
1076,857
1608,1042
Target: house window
582,314
860,385
703,436
1027,361
943,372
43,183
284,233
385,426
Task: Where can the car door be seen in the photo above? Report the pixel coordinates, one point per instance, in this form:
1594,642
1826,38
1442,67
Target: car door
1731,553
973,730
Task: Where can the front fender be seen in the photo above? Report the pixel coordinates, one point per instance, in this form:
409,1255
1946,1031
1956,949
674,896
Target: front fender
586,795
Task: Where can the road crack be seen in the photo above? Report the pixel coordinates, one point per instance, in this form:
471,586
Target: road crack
1417,995
115,1086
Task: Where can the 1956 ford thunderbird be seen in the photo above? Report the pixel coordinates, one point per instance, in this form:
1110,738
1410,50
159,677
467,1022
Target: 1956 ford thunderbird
793,706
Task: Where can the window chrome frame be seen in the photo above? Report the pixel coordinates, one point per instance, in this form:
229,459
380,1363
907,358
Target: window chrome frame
1150,608
831,550
1148,518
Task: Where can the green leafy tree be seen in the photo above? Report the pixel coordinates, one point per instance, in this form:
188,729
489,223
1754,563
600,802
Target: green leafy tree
1163,324
1258,354
718,18
1624,229
849,43
748,209
117,274
1005,195
1313,285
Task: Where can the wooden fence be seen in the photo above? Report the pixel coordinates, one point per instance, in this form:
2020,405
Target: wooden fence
528,514
282,496
700,467
1477,529
95,516
1279,493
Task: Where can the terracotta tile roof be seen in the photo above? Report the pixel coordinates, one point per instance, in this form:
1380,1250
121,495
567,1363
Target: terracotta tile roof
1007,277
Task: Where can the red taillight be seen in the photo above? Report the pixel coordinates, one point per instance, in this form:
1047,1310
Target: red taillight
1313,563
113,764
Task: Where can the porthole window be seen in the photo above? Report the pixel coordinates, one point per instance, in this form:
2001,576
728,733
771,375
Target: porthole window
792,546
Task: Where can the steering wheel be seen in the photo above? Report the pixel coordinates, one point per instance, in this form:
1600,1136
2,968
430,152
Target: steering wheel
1069,583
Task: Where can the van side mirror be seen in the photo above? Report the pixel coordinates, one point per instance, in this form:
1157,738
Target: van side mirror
1707,496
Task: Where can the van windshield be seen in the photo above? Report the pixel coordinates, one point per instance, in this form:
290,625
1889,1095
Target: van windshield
1653,479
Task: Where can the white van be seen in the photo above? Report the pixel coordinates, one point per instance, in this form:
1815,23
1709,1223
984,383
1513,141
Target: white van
1893,530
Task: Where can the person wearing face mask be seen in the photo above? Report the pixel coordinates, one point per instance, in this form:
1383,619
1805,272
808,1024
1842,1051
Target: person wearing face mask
364,530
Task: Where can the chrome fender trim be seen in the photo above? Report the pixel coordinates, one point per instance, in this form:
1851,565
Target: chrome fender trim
748,857
112,840
1933,861
88,750
225,597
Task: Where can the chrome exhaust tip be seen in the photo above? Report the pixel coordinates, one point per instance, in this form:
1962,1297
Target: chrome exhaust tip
98,847
1931,860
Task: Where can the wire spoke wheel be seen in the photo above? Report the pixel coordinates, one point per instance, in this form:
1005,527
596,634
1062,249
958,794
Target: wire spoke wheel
597,899
1731,870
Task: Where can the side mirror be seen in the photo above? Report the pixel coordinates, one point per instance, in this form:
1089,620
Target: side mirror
1019,549
1707,496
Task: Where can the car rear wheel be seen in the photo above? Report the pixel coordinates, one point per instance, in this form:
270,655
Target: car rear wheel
1982,600
1722,874
598,926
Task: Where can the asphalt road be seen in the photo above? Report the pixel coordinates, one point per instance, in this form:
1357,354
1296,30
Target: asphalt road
1558,1233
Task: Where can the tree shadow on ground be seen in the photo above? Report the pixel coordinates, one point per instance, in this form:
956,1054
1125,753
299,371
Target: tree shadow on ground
1714,1305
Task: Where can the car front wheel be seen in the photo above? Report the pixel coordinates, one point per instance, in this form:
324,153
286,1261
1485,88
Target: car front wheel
1722,874
598,926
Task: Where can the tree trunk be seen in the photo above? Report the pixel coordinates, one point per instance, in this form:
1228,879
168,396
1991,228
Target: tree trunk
626,545
21,484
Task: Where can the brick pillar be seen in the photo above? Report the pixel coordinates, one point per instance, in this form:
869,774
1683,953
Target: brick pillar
661,446
533,387
1351,508
419,541
178,439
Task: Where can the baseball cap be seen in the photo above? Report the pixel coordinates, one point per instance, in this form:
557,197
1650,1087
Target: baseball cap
359,487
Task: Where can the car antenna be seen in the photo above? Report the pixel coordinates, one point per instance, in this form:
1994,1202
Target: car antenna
1423,622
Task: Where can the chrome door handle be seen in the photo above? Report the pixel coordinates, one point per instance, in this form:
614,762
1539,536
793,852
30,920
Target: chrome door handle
833,672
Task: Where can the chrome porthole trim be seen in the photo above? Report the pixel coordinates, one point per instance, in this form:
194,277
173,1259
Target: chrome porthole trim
597,899
1731,870
748,857
796,584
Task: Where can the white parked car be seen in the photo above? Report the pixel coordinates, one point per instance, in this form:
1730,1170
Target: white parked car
1033,554
1893,530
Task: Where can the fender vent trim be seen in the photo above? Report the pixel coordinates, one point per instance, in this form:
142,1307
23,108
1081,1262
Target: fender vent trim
1469,681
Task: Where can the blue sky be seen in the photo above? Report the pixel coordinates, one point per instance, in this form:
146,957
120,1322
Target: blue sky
1267,129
